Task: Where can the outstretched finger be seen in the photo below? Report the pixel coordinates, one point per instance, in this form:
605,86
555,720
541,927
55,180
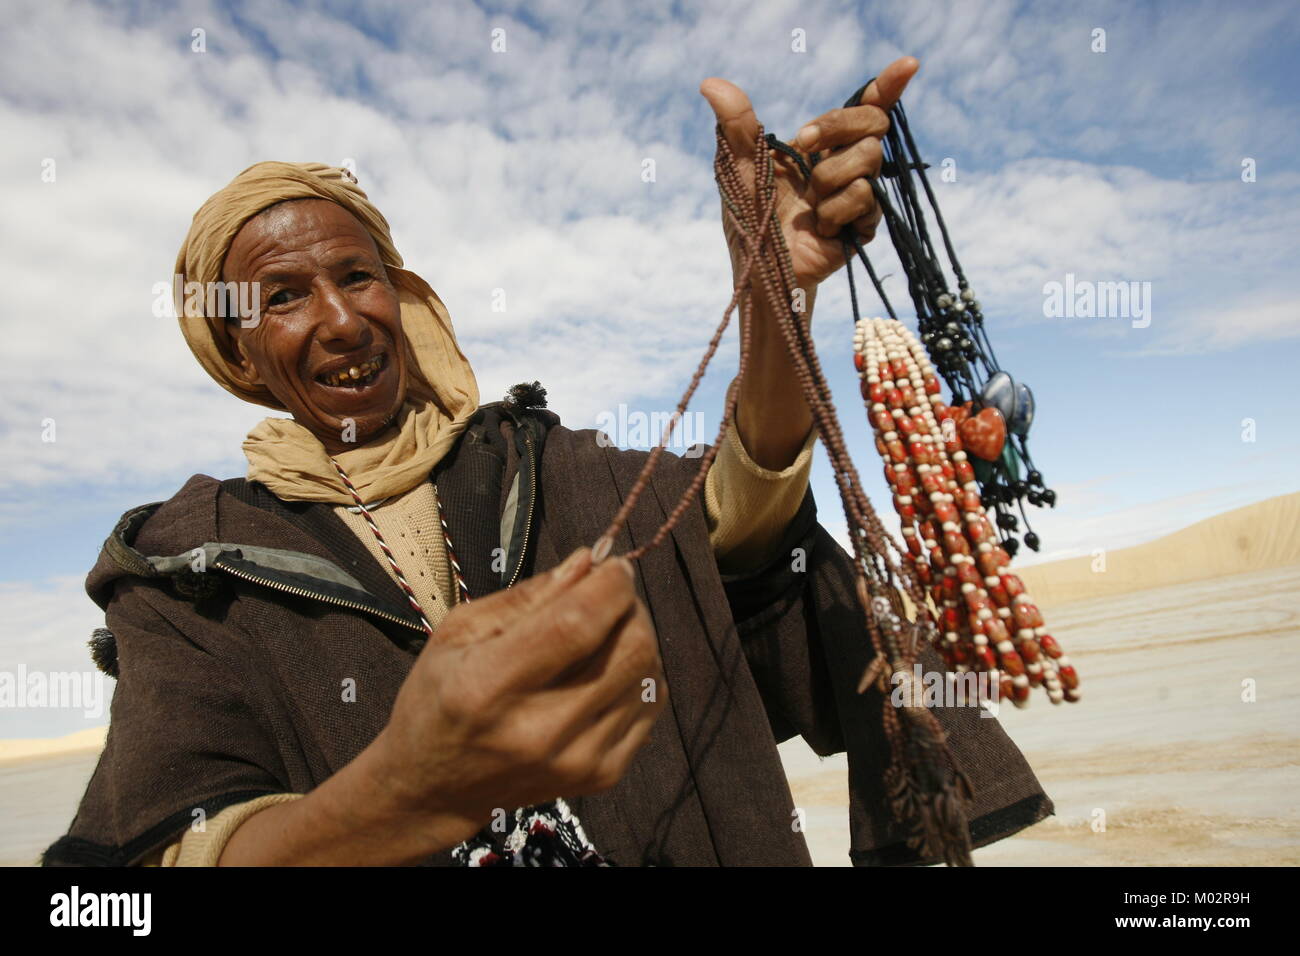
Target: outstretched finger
734,112
884,91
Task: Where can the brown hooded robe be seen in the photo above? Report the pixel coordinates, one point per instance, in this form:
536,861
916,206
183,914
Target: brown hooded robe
230,680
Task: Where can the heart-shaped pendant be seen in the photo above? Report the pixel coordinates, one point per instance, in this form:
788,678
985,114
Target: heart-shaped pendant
985,434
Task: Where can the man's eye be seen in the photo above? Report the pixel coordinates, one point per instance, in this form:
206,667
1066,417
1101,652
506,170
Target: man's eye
279,298
357,275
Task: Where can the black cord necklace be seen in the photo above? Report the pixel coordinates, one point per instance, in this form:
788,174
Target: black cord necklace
950,324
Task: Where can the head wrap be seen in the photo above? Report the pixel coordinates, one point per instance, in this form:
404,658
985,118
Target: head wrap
442,392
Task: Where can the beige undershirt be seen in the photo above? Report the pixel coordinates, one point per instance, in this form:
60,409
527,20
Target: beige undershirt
747,510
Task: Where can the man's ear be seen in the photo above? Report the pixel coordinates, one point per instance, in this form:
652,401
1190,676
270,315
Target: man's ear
247,370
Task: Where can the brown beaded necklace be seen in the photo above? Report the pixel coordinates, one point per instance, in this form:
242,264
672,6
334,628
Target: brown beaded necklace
926,789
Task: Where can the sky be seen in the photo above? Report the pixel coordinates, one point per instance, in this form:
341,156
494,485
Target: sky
1161,151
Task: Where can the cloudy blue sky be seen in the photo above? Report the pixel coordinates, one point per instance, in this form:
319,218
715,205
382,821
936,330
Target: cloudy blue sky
521,170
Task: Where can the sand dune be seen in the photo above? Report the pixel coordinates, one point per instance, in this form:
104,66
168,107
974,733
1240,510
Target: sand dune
1254,538
89,740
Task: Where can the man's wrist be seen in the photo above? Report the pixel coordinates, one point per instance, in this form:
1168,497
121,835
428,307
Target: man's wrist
430,821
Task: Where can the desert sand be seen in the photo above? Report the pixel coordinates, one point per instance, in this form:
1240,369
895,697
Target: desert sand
1162,762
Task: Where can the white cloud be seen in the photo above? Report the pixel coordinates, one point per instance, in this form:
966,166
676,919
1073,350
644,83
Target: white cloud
521,171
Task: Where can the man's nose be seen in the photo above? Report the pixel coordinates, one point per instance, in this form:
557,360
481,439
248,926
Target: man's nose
338,319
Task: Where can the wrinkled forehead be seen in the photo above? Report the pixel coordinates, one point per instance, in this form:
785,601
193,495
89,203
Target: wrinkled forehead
290,225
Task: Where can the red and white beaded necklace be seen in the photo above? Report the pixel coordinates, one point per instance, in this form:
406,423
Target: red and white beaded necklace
989,623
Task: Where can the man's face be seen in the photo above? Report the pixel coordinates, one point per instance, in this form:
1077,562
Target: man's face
329,343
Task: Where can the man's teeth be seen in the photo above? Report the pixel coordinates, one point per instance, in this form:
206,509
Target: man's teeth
356,375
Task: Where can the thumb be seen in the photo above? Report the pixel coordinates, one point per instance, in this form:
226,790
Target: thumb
733,111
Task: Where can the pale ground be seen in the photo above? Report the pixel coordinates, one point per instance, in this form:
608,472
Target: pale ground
1185,772
1162,743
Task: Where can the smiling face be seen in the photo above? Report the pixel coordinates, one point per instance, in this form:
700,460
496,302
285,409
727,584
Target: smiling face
329,344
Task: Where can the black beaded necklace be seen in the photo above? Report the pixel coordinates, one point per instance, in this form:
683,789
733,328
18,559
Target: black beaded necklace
951,325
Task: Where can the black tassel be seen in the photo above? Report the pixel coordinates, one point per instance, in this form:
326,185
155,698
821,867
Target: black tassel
206,591
103,651
526,395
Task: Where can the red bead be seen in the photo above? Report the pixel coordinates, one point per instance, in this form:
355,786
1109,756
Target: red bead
876,392
965,473
944,511
970,502
968,574
897,451
996,630
883,421
1007,688
978,531
859,361
977,601
951,619
905,509
1026,615
906,425
1049,646
1069,677
954,543
984,655
891,476
1013,585
998,593
912,541
907,396
949,472
1012,664
931,385
904,482
1030,650
899,369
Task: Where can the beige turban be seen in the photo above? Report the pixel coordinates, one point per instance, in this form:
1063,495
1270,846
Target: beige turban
285,456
